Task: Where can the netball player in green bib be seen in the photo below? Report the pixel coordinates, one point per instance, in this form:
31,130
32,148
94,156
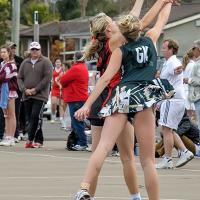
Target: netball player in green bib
134,96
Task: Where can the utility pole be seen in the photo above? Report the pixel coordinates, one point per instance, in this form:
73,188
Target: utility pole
54,7
83,5
15,23
36,27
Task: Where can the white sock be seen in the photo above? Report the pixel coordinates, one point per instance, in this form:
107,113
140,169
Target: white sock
136,196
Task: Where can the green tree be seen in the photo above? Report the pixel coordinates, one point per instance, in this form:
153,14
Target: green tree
69,9
107,6
44,11
4,15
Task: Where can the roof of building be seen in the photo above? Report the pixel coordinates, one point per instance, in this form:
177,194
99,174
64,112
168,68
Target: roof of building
184,11
81,26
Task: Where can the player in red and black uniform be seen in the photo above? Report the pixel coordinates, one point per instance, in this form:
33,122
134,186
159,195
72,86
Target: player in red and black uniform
56,99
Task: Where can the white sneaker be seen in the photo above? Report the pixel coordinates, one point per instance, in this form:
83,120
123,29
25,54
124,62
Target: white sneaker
79,148
16,140
82,195
63,126
53,119
114,153
165,164
184,158
7,142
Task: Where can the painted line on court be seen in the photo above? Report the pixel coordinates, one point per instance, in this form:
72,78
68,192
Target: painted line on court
74,176
80,158
70,196
59,157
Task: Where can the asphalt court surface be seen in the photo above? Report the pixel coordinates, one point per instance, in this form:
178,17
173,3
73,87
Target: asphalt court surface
55,173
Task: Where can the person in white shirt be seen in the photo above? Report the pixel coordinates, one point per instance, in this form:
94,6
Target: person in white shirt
172,110
194,81
188,64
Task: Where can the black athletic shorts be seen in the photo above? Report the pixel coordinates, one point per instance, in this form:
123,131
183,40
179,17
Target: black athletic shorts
95,120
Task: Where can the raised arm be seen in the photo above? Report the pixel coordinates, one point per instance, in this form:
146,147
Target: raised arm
153,12
137,8
154,33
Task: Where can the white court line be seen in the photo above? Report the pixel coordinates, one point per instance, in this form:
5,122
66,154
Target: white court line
77,176
70,196
80,158
54,156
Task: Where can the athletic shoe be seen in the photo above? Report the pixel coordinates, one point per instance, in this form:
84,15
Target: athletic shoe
184,158
37,145
165,164
7,141
22,137
89,149
79,148
28,144
82,195
114,153
16,140
52,121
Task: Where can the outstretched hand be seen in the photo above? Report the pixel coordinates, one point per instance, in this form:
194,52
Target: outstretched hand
82,113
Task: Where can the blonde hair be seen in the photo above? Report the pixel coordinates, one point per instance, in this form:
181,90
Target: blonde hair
186,58
98,26
130,27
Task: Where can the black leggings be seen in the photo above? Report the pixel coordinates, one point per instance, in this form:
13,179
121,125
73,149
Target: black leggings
34,117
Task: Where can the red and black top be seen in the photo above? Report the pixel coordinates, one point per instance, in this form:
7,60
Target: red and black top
102,64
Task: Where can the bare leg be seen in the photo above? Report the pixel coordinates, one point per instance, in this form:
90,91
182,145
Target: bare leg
96,135
111,130
11,119
178,142
145,132
168,140
54,103
61,109
125,144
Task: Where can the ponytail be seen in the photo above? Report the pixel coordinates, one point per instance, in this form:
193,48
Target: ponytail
186,58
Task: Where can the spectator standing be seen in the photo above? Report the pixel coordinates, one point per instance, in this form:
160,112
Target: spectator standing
75,93
2,120
18,60
188,64
34,81
172,110
8,94
194,81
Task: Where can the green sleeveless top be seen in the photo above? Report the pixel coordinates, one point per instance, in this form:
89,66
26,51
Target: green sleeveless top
139,60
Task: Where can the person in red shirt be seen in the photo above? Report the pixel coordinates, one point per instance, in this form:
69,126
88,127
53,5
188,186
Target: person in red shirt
75,92
56,98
